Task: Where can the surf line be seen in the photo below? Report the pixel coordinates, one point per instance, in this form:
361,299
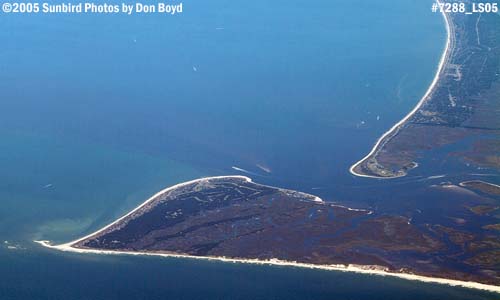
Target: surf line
429,91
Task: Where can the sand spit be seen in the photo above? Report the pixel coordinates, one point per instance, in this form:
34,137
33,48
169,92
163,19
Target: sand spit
364,269
152,198
429,91
368,269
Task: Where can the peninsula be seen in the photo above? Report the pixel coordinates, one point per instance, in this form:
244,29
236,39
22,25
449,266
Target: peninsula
231,218
459,108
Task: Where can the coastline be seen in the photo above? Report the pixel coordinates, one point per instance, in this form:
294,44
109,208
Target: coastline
464,183
360,269
165,190
363,269
398,125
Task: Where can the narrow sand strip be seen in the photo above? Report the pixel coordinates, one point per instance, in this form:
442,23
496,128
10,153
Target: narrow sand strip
396,127
464,183
370,270
247,179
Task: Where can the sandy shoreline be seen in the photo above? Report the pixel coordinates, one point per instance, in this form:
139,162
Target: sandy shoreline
149,200
396,126
371,270
464,183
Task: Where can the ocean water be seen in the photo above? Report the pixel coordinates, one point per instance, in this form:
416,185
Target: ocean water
99,112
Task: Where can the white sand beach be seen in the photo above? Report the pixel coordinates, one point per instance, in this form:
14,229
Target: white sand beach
397,126
364,269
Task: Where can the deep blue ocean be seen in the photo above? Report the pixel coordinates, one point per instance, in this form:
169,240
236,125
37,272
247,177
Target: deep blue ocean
98,112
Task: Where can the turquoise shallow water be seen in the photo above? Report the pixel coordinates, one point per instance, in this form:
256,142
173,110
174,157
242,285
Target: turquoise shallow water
99,112
303,90
59,188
